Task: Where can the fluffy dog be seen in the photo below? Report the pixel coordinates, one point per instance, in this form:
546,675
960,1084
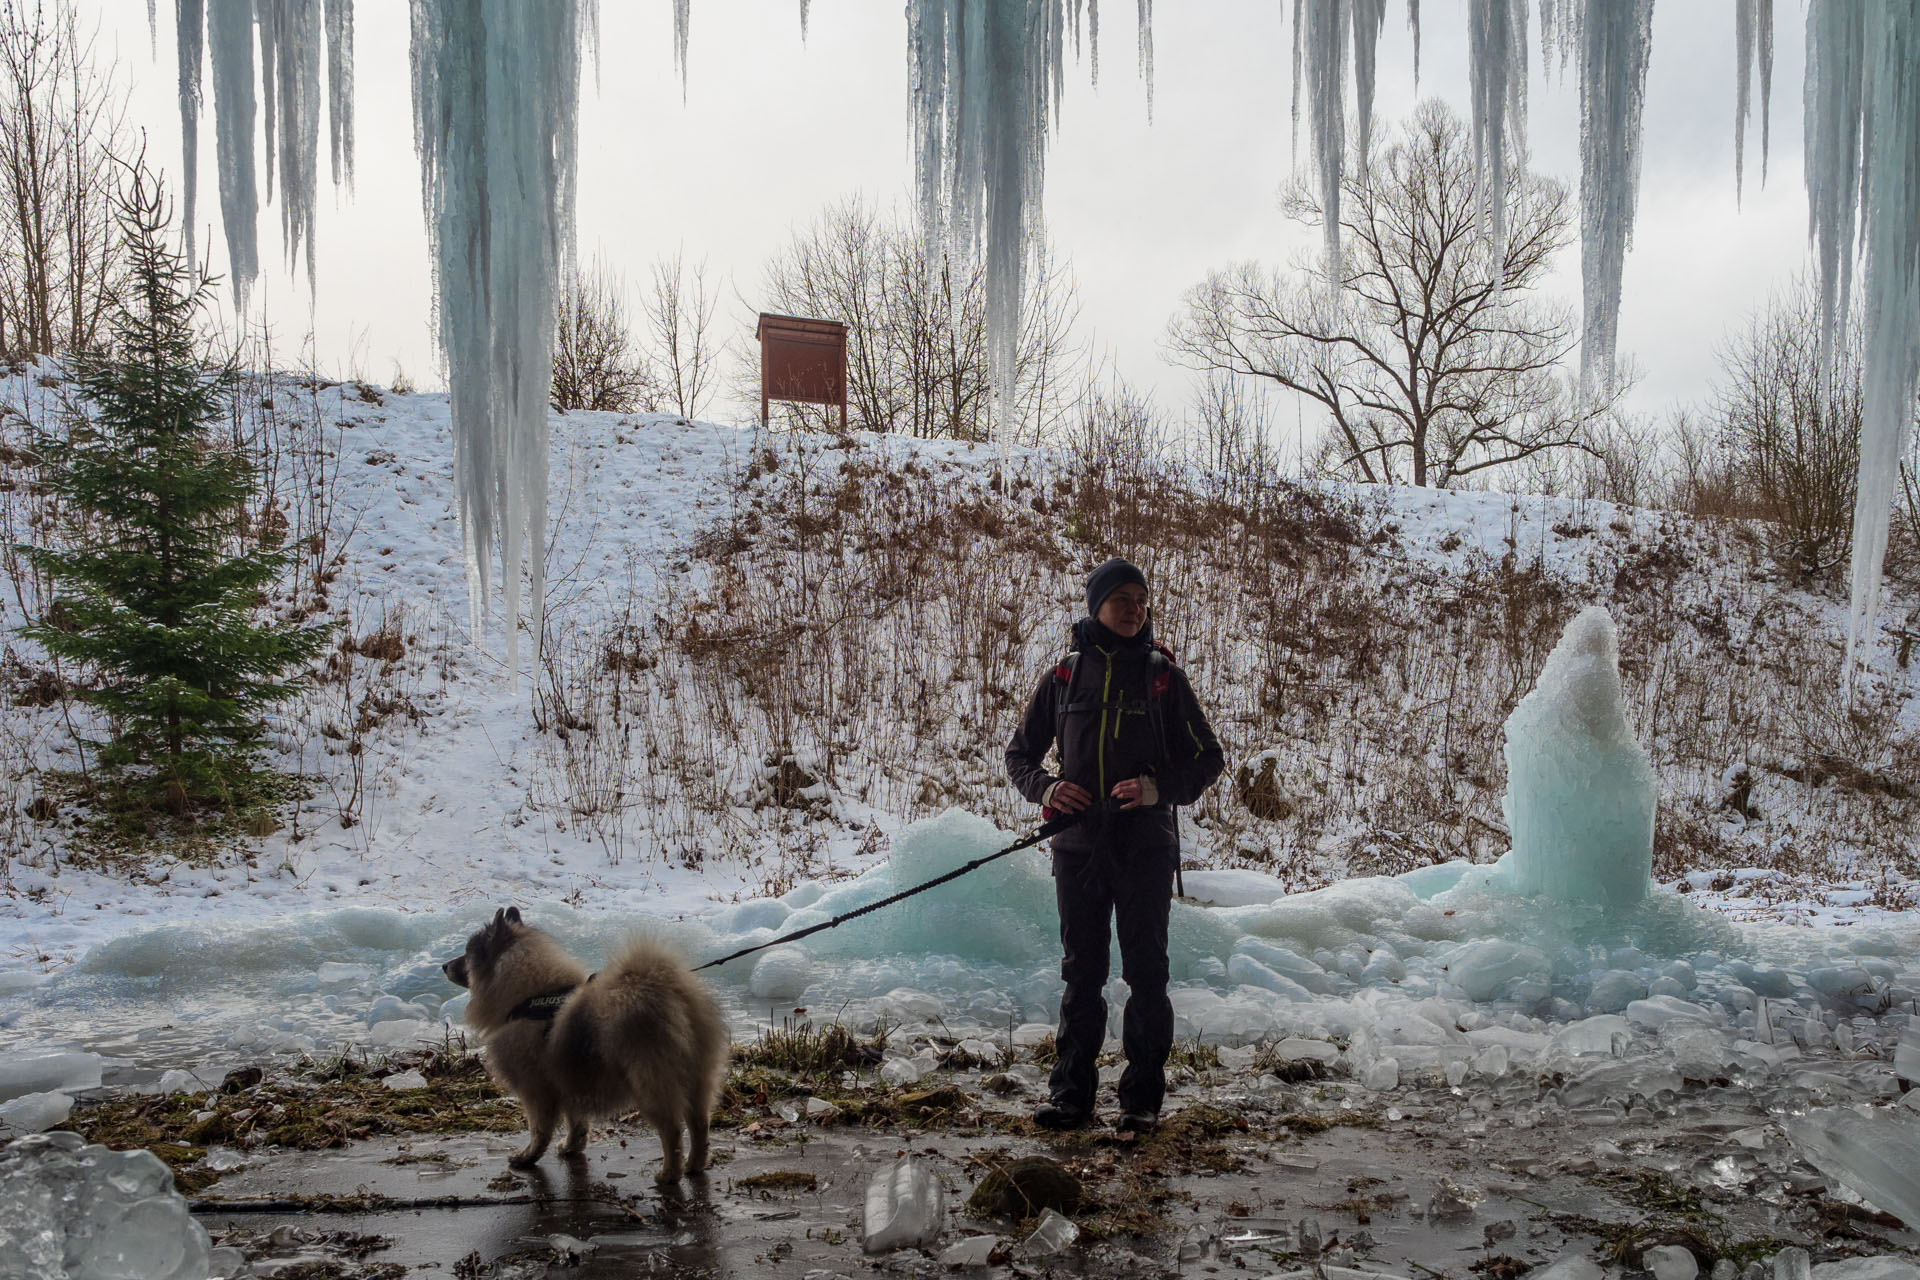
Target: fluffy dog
640,1035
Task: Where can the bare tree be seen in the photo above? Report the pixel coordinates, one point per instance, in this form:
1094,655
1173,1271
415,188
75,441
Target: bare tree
1792,430
679,313
916,330
61,134
594,363
1434,360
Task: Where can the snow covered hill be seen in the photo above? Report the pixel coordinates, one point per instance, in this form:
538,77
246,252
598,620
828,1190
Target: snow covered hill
766,655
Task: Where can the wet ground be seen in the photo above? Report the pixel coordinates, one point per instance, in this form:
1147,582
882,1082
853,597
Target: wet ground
1248,1176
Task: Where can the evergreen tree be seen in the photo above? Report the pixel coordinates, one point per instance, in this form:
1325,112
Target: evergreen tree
158,592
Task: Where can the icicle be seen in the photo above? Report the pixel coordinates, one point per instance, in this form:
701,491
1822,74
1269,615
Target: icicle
681,17
803,21
340,90
1753,42
230,59
1093,43
1320,58
294,29
1836,98
1369,17
496,87
263,16
1413,25
1891,285
1146,52
153,26
1614,36
190,28
1497,66
982,73
1559,32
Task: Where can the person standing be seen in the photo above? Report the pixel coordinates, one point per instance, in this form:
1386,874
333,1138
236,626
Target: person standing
1133,745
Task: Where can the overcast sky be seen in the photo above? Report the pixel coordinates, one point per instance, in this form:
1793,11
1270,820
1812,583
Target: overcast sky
772,129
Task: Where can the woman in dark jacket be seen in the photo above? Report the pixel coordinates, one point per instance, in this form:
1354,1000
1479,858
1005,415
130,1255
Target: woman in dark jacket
1133,745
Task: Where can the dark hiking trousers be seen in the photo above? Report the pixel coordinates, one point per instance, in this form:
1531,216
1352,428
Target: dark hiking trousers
1131,892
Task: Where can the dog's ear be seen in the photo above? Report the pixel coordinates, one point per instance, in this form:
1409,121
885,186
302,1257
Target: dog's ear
513,915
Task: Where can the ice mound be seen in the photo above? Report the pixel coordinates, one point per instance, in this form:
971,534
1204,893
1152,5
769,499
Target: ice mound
1580,788
88,1213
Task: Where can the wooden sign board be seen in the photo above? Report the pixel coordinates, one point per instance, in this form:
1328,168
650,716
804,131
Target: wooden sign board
802,359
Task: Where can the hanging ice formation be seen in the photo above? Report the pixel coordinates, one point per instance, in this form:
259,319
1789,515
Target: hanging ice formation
1753,43
291,34
496,86
1497,65
981,73
682,20
1863,172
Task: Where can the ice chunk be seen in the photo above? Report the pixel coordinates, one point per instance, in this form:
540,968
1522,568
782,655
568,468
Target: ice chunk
41,1070
1657,1011
1482,969
386,1008
1053,1234
899,1071
1382,1075
1792,1263
405,1080
1606,1033
1580,788
1878,1155
1885,1267
1614,990
782,973
974,1251
1571,1267
1906,1057
34,1112
1671,1262
82,1210
905,1207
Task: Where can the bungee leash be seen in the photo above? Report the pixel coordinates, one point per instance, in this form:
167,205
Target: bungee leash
1052,827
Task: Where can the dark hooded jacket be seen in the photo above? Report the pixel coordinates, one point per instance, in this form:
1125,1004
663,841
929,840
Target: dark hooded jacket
1112,732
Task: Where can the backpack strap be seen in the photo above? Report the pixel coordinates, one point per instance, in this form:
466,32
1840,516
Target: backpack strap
1159,681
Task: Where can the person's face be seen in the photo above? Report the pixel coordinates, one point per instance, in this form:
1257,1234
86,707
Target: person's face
1125,611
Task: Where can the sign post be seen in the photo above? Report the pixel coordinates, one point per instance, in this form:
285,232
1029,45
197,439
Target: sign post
802,359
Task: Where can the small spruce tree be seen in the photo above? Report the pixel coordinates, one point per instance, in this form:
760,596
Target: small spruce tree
158,591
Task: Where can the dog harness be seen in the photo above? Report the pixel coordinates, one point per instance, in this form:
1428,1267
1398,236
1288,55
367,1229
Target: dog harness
543,1008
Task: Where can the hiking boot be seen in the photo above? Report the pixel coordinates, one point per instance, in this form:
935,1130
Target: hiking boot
1059,1116
1141,1122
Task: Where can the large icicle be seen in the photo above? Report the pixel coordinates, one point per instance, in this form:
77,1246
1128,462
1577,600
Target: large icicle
982,72
340,90
496,88
294,31
682,21
1836,89
1891,285
230,60
1497,67
1369,19
1320,29
190,28
1614,39
1753,43
1146,51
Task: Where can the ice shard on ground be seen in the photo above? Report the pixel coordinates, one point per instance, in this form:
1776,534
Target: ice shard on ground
1580,788
1877,1155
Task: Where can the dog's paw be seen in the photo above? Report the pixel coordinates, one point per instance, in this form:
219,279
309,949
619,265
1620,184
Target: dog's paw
667,1176
525,1158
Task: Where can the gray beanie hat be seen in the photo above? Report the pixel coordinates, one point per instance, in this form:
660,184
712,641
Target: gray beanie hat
1109,578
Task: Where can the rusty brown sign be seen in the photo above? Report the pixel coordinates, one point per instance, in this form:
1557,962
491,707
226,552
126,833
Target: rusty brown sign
802,359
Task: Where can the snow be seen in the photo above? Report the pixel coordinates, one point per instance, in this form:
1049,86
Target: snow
1580,789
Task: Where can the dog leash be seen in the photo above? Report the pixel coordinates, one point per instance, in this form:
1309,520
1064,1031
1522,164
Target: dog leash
1052,827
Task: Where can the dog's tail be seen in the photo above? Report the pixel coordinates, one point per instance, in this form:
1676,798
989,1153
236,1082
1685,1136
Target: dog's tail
653,993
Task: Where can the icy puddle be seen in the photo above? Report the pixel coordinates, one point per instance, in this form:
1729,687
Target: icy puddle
1246,1178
